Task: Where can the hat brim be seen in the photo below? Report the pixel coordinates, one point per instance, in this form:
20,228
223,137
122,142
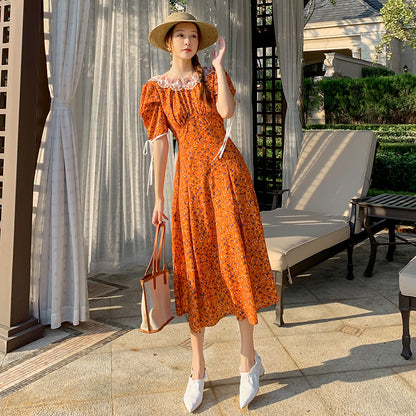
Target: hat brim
209,34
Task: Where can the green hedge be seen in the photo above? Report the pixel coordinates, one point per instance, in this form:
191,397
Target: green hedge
385,133
395,172
381,100
398,148
392,128
376,71
395,164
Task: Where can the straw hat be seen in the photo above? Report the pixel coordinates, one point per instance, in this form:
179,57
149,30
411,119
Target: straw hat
209,33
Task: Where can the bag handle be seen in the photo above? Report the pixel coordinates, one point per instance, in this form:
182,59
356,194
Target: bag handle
161,251
158,252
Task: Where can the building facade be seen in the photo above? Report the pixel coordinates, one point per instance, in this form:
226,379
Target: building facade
352,28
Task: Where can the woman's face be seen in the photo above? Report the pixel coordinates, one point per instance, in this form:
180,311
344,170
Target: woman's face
184,42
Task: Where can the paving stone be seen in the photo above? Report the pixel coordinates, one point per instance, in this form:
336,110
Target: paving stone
51,336
125,304
100,308
164,403
88,378
308,318
407,373
131,322
335,289
176,332
366,312
3,403
87,408
129,280
385,279
344,336
149,371
371,392
223,361
386,342
297,293
289,397
332,352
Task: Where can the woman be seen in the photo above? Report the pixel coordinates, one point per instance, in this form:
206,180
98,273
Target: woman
220,259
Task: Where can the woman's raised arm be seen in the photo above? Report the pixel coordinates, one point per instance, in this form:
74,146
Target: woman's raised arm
225,100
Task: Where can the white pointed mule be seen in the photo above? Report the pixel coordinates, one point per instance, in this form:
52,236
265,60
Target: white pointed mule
194,392
249,382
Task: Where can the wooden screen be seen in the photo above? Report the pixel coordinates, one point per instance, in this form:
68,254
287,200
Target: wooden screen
267,105
5,11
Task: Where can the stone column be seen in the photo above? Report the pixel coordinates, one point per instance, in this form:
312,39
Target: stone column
356,53
20,29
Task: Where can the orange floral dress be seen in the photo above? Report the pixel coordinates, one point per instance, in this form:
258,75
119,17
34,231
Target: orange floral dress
220,261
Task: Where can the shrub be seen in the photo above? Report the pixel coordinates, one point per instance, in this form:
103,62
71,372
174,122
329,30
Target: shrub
381,100
376,71
386,133
397,148
395,172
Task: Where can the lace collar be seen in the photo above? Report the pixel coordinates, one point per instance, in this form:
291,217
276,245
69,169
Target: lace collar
178,84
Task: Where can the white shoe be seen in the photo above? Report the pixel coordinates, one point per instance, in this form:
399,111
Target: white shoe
194,392
249,382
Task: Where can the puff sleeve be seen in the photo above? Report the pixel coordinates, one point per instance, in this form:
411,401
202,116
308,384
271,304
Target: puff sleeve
151,111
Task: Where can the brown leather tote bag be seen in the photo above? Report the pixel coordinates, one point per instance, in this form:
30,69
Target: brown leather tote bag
156,306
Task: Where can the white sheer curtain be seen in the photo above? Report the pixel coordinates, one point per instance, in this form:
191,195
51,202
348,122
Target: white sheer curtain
288,19
118,61
59,285
233,21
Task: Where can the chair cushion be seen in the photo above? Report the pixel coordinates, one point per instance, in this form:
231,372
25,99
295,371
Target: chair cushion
294,235
407,279
333,167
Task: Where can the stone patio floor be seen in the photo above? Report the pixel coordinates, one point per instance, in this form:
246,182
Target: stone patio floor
339,353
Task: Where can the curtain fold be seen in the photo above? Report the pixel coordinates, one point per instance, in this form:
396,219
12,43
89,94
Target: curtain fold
288,19
58,278
233,21
119,60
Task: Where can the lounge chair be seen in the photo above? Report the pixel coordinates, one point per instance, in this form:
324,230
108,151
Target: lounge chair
407,302
319,218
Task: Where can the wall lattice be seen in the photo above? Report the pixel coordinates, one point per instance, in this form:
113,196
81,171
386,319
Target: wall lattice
5,13
267,105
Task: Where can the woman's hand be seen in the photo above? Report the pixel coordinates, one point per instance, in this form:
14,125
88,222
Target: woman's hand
158,214
225,100
218,55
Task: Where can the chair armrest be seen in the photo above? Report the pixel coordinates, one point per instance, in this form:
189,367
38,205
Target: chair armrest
353,215
356,226
276,194
356,201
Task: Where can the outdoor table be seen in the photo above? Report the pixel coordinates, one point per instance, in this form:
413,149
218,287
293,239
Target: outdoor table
392,208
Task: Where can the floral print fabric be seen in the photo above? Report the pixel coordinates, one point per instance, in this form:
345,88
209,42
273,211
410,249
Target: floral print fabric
220,260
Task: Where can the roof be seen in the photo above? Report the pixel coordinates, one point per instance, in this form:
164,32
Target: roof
376,3
346,10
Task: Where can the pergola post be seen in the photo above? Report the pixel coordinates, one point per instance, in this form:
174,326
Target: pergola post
20,28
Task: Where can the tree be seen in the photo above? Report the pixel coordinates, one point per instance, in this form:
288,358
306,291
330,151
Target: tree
399,18
177,5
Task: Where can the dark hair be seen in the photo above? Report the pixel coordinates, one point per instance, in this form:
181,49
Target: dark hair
203,95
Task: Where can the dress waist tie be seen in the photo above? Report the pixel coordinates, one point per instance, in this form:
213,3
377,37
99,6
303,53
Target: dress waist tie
224,143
